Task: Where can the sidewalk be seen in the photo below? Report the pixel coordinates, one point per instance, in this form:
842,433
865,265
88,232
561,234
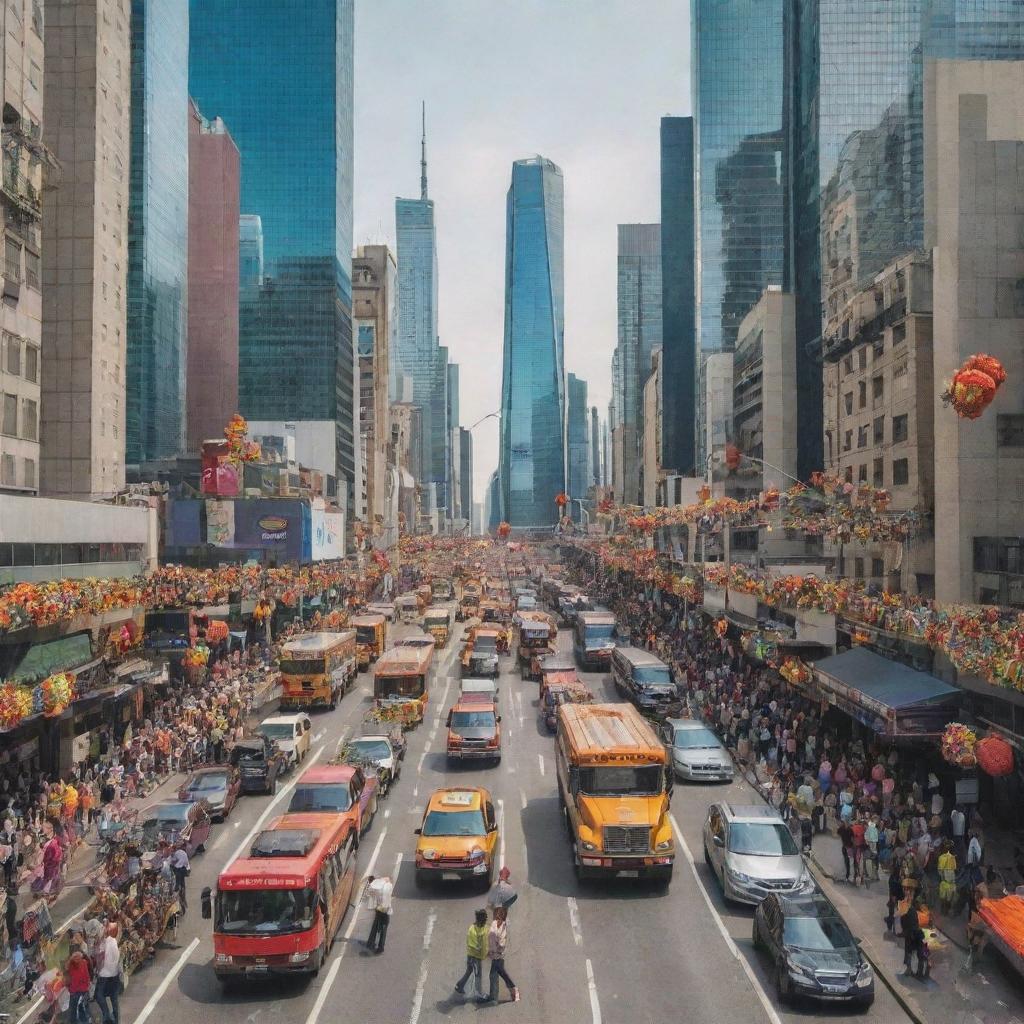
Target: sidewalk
992,994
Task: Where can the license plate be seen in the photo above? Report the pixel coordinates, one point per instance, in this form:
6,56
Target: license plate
836,989
450,876
628,874
263,969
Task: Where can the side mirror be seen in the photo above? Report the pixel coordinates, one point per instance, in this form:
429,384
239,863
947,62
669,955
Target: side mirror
448,720
206,903
498,719
718,841
417,831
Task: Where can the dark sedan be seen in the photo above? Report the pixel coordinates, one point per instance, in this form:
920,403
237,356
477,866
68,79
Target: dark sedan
219,785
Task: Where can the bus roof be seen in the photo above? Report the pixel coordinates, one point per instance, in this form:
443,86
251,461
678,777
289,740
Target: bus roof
404,661
366,620
324,831
596,618
317,643
599,733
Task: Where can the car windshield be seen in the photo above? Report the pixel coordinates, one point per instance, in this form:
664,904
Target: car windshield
473,720
454,823
265,911
647,674
302,666
174,815
632,779
207,783
372,750
278,730
761,839
599,632
817,933
485,644
311,797
692,739
436,620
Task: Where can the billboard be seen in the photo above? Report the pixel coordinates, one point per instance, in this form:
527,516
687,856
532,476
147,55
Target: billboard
327,535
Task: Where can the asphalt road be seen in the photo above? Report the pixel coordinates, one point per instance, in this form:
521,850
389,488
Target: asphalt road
605,954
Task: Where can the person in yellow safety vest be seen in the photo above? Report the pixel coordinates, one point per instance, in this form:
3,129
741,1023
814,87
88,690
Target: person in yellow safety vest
947,876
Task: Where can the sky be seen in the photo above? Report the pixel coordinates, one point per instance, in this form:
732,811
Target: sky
582,82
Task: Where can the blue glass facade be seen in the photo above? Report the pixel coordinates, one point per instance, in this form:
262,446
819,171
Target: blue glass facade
283,85
157,231
532,452
420,357
578,434
678,298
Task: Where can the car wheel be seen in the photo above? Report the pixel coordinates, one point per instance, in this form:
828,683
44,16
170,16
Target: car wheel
755,935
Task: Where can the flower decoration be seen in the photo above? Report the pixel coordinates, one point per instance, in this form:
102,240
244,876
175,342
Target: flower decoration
196,657
995,756
58,691
15,705
974,385
794,671
721,627
958,745
504,529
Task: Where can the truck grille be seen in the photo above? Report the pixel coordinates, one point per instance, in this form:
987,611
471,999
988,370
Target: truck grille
627,839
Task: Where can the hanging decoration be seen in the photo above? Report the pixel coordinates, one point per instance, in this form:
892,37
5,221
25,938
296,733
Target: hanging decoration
504,529
794,671
561,499
15,705
58,691
995,756
974,385
721,627
240,448
958,745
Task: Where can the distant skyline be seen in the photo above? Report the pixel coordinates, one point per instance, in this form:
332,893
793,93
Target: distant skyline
503,82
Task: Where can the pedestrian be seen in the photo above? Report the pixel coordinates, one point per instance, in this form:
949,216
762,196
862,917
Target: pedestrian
871,836
502,894
78,973
913,940
896,895
108,981
497,945
476,953
845,834
378,899
974,859
858,829
180,867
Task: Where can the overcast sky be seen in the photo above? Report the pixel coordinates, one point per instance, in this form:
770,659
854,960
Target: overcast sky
582,82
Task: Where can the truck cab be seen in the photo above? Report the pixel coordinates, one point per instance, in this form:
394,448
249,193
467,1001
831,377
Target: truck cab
474,732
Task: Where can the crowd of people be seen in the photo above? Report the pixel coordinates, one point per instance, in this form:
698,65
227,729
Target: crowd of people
885,804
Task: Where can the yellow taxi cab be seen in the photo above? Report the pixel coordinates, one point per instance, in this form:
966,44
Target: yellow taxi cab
458,839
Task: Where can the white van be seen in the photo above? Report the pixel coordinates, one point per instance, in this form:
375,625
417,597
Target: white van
483,690
292,733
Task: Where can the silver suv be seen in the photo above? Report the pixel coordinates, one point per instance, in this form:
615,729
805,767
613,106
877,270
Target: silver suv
753,853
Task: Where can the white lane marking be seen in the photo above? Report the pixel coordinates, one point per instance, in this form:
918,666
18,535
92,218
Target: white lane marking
417,999
431,919
32,1009
574,920
317,737
522,798
595,1006
540,761
769,1009
419,767
266,813
416,792
321,997
398,867
501,833
387,813
166,983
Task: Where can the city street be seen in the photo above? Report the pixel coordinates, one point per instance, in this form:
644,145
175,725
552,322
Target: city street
601,953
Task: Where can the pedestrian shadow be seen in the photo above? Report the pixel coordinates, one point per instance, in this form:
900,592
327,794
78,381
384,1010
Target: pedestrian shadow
198,983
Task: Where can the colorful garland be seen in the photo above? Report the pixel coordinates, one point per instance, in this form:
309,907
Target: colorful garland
958,743
58,691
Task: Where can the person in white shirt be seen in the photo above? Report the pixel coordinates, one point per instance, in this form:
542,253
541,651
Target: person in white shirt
108,981
378,899
180,866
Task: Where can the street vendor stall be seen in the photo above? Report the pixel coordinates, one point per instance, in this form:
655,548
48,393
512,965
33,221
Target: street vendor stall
1005,920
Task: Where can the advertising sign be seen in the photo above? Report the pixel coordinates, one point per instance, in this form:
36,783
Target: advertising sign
328,535
271,525
220,523
220,474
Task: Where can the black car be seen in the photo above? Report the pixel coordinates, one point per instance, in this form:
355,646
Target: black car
812,951
260,762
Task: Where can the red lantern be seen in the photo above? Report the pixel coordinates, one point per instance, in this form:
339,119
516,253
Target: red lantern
561,499
987,364
504,529
995,756
732,457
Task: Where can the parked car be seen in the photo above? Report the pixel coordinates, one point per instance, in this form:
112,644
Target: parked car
753,853
218,786
260,762
812,950
697,753
292,733
178,822
646,680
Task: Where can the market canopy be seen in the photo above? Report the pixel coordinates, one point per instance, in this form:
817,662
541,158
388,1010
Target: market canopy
886,695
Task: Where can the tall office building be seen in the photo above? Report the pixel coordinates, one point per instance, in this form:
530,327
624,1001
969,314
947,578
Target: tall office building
678,298
213,279
158,230
85,239
740,147
532,451
250,251
578,437
419,352
283,86
595,448
639,300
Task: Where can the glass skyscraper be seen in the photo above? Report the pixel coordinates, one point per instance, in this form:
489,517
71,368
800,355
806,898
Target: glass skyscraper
283,85
678,299
532,451
157,231
578,434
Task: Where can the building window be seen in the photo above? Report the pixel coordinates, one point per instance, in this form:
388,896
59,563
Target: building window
862,473
14,355
9,424
12,260
848,402
30,472
862,359
877,387
848,364
877,567
900,472
999,554
29,420
32,364
878,472
858,568
862,436
1010,430
32,269
7,471
878,430
848,475
862,394
899,428
899,334
847,440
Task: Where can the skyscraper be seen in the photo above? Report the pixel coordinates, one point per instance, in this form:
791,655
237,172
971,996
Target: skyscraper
532,451
738,96
595,448
678,299
283,86
419,355
85,237
578,434
639,298
157,230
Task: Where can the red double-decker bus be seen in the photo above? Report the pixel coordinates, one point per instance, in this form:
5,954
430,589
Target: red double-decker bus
278,909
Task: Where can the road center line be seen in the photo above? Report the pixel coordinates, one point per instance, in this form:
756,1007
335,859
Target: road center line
501,833
428,934
595,1005
574,920
417,999
730,943
166,983
398,867
540,761
321,996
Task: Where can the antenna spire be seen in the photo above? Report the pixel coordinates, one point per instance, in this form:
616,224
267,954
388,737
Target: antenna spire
423,154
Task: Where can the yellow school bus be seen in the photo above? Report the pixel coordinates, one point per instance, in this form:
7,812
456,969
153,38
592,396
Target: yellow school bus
317,669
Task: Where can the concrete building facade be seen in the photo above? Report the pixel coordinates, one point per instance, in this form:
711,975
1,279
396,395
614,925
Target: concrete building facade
974,225
653,433
21,215
214,184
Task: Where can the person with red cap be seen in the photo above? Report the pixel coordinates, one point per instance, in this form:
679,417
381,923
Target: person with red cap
502,894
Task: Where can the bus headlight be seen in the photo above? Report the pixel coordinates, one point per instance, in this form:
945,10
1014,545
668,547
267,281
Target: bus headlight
224,958
587,846
665,844
298,958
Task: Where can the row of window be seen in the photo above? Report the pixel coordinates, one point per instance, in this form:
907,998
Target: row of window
68,554
899,335
12,263
999,554
877,567
9,472
19,357
900,432
900,473
28,420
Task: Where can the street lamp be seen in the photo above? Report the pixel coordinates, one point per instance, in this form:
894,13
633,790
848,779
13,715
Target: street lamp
583,512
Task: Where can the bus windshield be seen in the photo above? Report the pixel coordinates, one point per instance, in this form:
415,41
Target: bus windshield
366,634
657,674
631,779
303,666
265,911
599,631
398,686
